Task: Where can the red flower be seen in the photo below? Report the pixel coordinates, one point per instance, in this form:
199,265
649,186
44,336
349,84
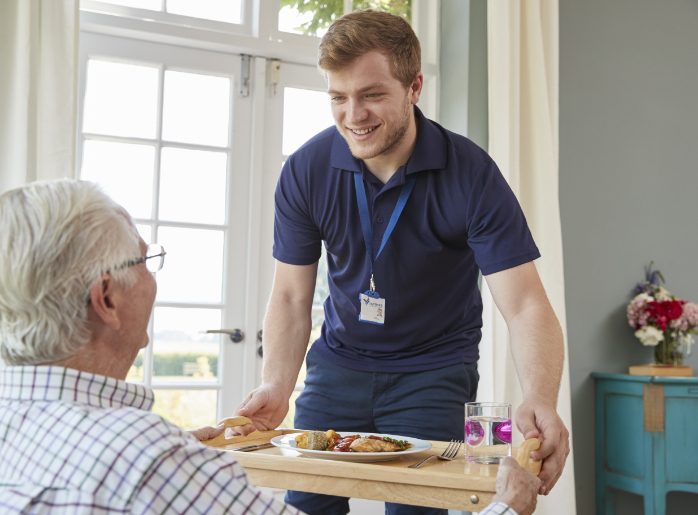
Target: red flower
661,312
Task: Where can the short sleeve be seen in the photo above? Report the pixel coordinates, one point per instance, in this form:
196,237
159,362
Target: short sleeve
297,239
497,230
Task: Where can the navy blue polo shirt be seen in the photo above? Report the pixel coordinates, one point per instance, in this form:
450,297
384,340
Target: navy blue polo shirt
460,218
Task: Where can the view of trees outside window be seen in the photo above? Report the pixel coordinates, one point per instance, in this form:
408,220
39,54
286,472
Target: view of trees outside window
313,17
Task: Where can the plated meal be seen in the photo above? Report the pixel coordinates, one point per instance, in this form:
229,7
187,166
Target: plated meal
360,447
332,441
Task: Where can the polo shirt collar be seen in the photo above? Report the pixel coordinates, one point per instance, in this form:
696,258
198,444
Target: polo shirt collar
429,152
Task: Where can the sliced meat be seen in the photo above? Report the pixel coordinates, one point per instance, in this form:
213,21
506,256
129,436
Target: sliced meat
373,445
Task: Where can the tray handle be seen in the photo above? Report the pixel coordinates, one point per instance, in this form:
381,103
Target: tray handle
523,456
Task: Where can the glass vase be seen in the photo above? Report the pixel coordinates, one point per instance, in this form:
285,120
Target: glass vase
669,351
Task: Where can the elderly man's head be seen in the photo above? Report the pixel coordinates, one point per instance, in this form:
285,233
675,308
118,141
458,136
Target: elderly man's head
66,283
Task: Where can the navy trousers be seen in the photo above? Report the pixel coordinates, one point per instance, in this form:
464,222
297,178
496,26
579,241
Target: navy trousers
426,405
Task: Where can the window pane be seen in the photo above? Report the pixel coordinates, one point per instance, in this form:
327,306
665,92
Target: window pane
192,186
120,99
193,270
229,11
314,18
146,232
181,350
188,409
309,18
288,420
196,108
152,5
400,7
124,170
135,373
306,112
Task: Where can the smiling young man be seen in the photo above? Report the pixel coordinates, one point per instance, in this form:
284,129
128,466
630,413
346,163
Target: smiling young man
410,214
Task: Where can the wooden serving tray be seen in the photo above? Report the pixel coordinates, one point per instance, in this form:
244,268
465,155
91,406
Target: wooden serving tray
453,484
456,484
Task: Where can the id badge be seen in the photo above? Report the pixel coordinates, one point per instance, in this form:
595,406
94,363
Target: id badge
372,308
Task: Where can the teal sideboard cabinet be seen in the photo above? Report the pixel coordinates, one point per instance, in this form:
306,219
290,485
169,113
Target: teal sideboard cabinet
646,439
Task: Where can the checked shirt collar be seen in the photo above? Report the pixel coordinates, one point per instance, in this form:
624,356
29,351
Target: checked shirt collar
51,383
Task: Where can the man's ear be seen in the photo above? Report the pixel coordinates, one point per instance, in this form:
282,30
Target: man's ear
416,88
102,301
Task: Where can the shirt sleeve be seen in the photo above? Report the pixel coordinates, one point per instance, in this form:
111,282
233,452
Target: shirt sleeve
498,508
196,479
497,230
297,239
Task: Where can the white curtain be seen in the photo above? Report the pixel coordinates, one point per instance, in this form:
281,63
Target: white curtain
523,48
38,90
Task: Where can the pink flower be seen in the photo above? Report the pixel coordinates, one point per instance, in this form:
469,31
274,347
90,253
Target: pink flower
690,314
637,314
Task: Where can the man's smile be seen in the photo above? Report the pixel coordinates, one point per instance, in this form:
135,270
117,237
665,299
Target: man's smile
364,131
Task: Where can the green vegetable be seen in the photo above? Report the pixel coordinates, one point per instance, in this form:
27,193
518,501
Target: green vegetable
403,444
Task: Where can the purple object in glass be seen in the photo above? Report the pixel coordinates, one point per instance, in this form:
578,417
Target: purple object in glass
474,433
502,431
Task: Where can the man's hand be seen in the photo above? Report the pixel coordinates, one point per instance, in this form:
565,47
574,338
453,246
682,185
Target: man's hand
266,406
516,487
539,420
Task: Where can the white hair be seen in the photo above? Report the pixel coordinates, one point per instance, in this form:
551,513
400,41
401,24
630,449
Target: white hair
56,239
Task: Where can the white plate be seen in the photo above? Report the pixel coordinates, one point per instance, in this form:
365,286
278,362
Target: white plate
288,442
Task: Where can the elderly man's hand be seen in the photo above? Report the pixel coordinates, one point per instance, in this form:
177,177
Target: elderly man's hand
206,433
516,487
539,420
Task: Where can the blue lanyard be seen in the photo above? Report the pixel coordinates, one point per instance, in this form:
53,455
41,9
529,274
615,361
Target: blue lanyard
366,222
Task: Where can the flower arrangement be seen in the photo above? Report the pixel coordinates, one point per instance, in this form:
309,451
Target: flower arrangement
661,320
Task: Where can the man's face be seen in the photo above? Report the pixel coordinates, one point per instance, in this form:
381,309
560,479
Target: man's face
372,109
140,306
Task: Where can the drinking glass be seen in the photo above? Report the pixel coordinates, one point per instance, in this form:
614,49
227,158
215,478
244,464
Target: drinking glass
487,431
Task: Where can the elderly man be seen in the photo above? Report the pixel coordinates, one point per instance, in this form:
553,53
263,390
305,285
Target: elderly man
76,294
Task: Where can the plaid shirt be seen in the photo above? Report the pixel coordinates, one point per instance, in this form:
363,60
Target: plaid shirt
73,442
498,508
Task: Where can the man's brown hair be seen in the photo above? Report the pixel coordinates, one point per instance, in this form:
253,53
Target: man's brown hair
360,32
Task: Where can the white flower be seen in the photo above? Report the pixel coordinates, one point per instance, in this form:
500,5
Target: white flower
663,294
649,335
642,298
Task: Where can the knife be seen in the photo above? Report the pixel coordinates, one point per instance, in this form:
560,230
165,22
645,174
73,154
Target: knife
255,447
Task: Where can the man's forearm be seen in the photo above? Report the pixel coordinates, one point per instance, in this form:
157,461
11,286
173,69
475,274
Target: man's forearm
286,334
538,351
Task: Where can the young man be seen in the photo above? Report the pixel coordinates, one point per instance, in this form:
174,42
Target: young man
409,214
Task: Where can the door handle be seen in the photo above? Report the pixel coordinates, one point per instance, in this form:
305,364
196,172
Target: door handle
235,335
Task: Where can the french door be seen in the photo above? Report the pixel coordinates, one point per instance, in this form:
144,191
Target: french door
297,108
166,132
191,143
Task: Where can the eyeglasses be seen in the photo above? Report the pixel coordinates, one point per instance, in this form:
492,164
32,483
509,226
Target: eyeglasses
154,259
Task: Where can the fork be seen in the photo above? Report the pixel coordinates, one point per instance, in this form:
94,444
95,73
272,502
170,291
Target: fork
450,452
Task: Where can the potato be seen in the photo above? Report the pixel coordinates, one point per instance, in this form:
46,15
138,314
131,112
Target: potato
314,440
